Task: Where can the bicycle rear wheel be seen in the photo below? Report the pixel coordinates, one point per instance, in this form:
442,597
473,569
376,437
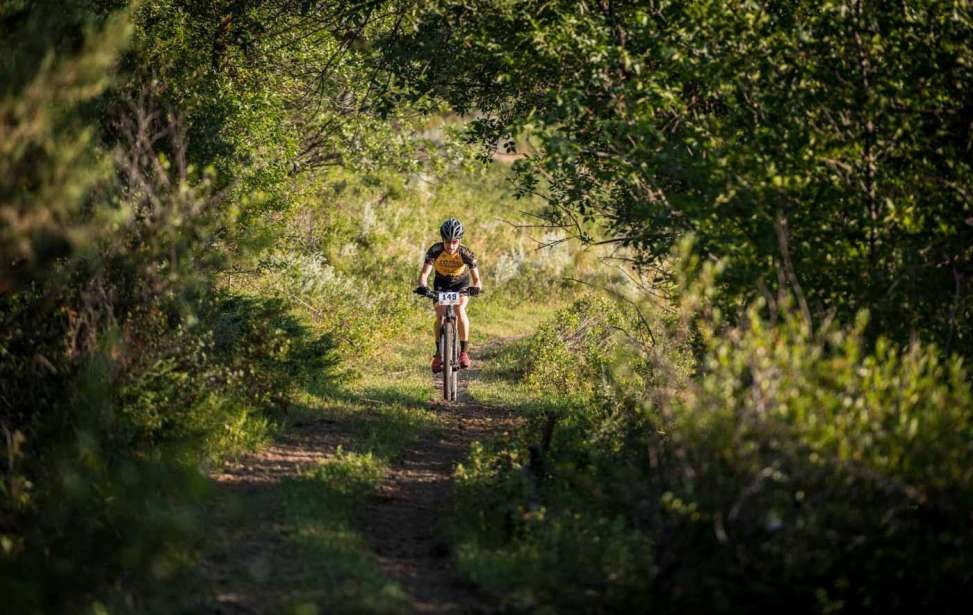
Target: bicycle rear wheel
447,340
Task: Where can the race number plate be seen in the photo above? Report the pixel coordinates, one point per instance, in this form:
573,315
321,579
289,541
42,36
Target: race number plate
448,299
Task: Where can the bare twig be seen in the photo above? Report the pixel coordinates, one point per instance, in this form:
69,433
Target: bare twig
643,321
780,226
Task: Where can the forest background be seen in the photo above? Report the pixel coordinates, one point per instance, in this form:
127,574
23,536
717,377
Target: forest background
770,409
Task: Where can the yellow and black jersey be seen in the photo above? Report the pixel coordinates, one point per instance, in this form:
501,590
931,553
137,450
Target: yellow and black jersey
453,266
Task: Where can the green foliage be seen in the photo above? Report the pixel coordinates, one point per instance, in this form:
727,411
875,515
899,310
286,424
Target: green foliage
827,469
120,376
543,514
600,565
800,469
347,478
84,497
49,158
572,351
270,90
117,457
171,396
822,148
263,344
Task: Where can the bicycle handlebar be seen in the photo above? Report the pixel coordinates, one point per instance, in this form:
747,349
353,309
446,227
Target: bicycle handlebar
434,294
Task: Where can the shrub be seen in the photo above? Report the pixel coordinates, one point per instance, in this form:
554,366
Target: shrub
821,471
262,343
800,468
571,352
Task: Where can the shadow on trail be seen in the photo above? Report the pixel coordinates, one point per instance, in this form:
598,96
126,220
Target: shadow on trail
286,527
410,519
348,509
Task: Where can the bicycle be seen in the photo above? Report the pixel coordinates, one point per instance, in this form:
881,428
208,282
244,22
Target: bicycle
448,338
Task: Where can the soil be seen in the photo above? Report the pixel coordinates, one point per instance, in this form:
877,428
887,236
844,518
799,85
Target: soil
405,522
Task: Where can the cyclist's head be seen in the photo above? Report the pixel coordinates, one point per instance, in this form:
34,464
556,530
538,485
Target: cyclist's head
451,229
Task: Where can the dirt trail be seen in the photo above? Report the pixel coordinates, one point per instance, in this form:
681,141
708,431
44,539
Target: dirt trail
407,519
253,568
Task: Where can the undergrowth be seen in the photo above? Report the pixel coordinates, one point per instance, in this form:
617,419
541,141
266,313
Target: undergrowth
710,466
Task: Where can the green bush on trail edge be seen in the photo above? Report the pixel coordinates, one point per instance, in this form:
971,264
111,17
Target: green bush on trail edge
101,492
799,469
571,352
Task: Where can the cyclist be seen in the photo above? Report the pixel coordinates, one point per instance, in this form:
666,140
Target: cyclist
456,269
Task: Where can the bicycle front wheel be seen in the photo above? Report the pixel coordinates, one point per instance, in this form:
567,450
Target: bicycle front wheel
455,364
447,340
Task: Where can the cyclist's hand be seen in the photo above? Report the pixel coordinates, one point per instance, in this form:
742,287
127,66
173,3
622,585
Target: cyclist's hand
421,290
474,291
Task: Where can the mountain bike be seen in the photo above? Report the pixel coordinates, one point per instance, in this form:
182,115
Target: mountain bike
448,338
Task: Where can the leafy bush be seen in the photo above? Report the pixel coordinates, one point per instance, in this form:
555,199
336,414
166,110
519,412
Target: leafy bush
799,469
260,342
118,378
572,352
819,467
86,499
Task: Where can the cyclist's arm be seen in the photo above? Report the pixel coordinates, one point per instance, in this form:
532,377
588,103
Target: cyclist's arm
424,274
470,259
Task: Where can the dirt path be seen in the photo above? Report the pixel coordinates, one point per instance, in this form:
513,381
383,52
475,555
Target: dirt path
406,521
252,565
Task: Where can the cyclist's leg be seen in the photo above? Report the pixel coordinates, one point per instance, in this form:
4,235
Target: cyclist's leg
437,364
438,322
463,321
463,328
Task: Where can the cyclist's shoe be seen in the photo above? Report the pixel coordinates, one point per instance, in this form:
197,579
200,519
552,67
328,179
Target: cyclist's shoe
464,360
437,364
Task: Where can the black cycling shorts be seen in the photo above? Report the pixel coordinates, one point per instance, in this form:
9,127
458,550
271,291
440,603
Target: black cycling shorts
446,284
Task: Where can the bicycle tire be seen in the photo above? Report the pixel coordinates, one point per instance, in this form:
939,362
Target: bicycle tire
455,373
449,367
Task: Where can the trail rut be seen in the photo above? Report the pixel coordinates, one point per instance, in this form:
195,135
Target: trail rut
407,519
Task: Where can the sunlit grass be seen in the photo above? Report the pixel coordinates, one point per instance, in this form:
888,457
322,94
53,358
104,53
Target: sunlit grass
340,573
